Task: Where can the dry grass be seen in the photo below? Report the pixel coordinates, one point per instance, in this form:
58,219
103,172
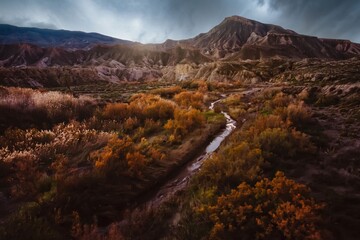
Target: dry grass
21,107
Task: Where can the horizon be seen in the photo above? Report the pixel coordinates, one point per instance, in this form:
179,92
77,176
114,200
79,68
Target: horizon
147,21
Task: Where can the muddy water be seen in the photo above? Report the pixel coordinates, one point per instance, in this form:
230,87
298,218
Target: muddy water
181,179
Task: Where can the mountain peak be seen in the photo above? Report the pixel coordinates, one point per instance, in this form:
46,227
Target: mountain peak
240,19
232,34
237,37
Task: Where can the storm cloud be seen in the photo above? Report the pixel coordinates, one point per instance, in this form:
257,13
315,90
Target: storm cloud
157,20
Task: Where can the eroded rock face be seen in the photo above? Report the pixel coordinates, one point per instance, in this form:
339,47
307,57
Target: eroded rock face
217,55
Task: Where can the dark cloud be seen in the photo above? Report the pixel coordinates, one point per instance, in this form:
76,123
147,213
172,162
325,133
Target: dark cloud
43,25
157,20
324,18
28,22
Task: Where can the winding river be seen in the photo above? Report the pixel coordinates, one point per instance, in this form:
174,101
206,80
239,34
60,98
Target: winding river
181,179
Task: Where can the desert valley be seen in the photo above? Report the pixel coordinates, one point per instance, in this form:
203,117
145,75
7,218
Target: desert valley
247,131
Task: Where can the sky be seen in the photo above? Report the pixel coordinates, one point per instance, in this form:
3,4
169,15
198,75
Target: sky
154,21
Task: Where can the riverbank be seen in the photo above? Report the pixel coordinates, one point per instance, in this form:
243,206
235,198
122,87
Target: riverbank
190,149
158,207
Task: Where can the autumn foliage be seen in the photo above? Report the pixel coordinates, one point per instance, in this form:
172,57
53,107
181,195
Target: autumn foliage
190,99
231,197
77,158
72,154
185,121
26,108
278,208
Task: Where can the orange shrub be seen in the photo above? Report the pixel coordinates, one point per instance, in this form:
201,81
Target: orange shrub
136,162
34,154
150,126
234,163
273,209
280,100
112,158
116,111
190,99
185,121
155,154
203,87
263,122
299,114
150,106
167,92
161,110
131,123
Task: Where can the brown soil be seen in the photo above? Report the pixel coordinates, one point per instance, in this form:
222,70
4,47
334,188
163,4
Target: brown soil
334,176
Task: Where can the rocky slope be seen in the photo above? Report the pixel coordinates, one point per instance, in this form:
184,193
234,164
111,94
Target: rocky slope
240,38
225,52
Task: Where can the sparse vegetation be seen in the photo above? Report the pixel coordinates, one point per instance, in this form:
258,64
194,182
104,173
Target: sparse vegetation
78,151
74,162
277,208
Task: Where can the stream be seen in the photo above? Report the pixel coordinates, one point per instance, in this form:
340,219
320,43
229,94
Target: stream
181,179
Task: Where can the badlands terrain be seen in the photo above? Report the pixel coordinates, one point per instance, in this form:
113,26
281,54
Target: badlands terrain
247,130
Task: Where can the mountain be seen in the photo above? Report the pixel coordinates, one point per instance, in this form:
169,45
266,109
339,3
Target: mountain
29,56
33,66
54,38
235,38
240,38
22,55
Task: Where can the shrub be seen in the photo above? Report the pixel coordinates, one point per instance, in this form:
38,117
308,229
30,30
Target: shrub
112,158
33,154
268,94
136,162
283,143
263,122
297,114
22,107
190,99
234,100
116,111
274,142
185,121
25,166
63,107
131,123
233,164
280,100
145,106
273,209
150,127
27,224
167,92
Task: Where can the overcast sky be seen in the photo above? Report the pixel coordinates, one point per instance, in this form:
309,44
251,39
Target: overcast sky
157,20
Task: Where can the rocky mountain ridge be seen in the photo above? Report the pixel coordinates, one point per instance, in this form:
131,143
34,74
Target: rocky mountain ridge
69,40
213,55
